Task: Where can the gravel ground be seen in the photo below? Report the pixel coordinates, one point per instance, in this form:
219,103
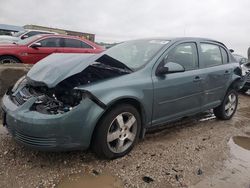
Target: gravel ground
180,156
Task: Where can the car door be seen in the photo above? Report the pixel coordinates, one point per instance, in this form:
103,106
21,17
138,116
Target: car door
47,47
76,46
178,94
216,73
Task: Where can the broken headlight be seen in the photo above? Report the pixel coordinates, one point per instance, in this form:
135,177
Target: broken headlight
57,102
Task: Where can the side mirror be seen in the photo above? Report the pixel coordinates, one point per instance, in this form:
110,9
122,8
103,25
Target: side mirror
24,36
169,67
231,50
162,71
36,45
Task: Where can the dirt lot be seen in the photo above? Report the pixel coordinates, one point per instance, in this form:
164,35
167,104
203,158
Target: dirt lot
194,151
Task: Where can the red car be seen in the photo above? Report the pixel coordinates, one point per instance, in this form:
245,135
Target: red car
33,49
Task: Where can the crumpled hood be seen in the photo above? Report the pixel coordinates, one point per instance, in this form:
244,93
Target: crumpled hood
57,67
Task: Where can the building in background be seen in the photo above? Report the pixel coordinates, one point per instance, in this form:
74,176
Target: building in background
9,29
88,36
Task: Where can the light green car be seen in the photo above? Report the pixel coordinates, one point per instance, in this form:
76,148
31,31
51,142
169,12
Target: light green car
108,101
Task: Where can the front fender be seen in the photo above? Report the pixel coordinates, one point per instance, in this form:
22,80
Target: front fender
106,98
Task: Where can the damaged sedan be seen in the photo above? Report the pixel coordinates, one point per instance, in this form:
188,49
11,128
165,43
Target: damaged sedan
108,101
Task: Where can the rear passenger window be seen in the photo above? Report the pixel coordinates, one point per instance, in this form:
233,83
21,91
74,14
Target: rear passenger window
85,45
184,54
211,55
224,55
72,43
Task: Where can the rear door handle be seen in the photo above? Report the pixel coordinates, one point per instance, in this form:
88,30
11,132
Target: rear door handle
197,79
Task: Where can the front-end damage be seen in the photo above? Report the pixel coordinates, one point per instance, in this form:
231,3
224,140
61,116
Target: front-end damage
65,96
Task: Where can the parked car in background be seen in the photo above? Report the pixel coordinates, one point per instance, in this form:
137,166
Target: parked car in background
35,48
245,65
109,100
22,35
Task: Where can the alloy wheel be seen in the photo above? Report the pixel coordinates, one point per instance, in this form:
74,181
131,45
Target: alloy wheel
122,132
230,104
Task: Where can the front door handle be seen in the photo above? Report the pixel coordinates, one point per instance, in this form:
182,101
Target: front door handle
197,79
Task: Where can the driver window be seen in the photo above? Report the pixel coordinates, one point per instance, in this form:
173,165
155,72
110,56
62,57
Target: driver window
184,54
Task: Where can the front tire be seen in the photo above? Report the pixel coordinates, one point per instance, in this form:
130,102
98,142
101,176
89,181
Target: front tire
8,60
228,107
117,132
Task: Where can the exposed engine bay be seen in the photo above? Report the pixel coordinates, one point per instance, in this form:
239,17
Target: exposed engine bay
63,97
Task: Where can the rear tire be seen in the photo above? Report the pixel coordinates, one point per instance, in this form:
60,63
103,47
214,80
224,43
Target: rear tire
117,132
228,107
9,60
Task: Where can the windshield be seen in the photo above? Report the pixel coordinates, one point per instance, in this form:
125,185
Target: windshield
18,34
28,40
135,54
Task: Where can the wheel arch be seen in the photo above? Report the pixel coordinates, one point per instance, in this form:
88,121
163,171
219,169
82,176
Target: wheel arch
127,100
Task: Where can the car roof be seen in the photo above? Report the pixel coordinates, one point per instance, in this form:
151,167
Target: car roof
59,35
178,39
42,36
